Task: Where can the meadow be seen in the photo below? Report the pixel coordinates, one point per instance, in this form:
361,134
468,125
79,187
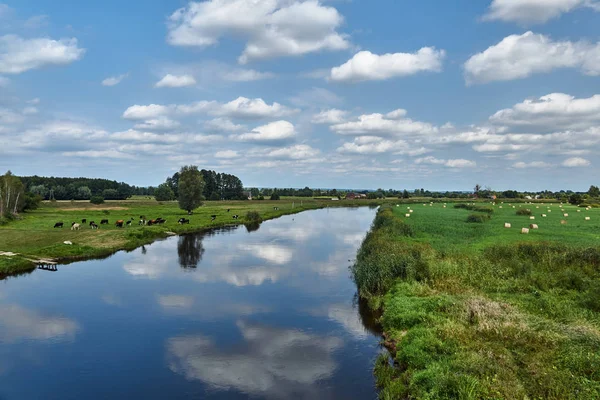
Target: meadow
476,310
33,237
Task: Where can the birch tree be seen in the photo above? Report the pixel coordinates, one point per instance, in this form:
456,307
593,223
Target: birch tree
11,194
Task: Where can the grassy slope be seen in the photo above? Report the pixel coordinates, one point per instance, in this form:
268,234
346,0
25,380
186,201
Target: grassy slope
480,311
33,236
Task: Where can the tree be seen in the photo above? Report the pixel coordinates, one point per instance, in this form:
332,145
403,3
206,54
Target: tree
173,183
190,187
476,189
405,194
164,193
275,196
594,191
97,200
83,193
39,190
575,199
11,195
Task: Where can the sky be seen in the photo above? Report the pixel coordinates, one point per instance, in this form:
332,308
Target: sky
360,94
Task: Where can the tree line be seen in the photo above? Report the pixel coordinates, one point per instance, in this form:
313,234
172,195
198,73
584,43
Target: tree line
54,188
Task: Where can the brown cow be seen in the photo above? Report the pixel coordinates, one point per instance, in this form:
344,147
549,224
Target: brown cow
119,223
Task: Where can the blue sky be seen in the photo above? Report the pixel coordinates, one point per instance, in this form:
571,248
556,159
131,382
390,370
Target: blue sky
392,94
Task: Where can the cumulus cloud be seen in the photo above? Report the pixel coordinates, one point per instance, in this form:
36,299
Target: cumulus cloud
576,162
223,125
241,107
378,124
532,11
245,75
553,111
114,80
332,116
19,323
456,163
226,154
18,55
175,81
366,66
533,164
296,152
273,28
376,145
158,124
274,131
520,56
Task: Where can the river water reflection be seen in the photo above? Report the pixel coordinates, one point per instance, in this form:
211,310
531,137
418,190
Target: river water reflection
234,313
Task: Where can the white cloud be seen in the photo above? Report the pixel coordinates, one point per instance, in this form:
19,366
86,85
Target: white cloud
296,152
378,124
241,107
145,112
533,164
456,163
158,124
114,80
273,28
274,131
246,75
223,125
366,66
20,324
18,55
553,111
576,162
373,145
226,154
532,11
174,81
332,116
175,301
519,56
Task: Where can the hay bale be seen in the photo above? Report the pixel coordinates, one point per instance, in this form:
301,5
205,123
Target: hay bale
524,230
444,206
533,226
532,217
578,210
563,222
407,215
411,211
499,206
587,218
565,215
543,215
507,225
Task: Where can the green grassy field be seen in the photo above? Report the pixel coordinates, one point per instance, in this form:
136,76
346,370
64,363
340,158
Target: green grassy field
475,310
33,235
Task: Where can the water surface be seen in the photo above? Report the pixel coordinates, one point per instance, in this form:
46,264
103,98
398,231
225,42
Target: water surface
234,313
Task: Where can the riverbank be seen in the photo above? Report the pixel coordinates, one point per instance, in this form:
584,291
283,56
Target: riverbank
476,310
33,236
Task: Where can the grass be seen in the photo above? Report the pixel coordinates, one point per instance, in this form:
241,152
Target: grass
33,237
475,310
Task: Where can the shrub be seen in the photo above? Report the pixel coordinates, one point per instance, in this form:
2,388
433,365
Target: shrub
523,211
97,200
106,212
253,216
275,196
484,209
478,218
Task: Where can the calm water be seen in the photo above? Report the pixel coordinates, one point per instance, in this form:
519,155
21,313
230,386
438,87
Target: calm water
268,313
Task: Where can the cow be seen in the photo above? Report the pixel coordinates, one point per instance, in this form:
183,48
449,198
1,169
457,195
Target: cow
183,221
119,223
236,216
228,209
104,222
93,225
152,222
142,222
213,217
75,227
83,221
58,225
190,212
128,223
142,217
159,220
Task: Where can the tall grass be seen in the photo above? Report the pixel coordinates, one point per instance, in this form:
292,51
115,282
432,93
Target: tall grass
510,320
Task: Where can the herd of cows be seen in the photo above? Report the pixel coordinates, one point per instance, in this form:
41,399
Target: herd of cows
120,223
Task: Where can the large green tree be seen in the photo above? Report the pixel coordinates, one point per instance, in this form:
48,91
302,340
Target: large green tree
594,191
164,193
190,188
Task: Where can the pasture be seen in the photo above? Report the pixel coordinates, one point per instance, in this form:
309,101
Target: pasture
476,310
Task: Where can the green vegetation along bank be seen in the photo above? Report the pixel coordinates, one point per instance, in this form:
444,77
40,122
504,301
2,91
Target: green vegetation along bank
473,310
33,237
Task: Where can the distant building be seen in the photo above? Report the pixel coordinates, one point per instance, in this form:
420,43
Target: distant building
351,196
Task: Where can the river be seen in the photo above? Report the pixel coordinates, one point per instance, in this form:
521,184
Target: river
264,312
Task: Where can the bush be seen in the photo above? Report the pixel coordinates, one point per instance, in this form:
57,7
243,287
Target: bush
478,218
523,211
97,200
275,196
253,216
32,201
484,209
